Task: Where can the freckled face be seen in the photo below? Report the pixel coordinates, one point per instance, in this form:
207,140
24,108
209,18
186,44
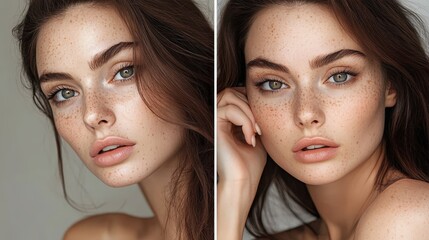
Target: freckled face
307,78
97,103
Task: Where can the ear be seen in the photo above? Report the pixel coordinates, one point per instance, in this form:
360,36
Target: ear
390,95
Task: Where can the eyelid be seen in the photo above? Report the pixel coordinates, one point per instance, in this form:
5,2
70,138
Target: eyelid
264,81
351,75
52,93
121,67
54,90
259,77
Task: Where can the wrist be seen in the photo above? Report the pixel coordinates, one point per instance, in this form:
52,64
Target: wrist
234,200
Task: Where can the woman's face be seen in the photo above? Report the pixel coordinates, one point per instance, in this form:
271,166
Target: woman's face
85,63
316,94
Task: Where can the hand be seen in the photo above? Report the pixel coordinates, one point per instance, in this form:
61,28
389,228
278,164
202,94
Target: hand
240,154
240,161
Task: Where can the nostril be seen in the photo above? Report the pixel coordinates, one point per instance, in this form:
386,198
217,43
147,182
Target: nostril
315,122
103,121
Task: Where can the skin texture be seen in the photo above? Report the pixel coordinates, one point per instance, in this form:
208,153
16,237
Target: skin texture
103,103
310,104
289,97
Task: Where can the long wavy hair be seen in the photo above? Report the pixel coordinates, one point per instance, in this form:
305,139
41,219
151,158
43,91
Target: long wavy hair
392,34
178,40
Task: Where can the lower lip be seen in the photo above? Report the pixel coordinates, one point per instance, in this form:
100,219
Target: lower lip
316,155
113,157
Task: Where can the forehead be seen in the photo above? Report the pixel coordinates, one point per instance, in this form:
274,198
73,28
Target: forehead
296,30
78,34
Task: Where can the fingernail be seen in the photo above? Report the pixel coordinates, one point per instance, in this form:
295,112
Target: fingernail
258,129
253,141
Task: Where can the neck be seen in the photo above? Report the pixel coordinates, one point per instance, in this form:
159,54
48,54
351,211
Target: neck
157,191
341,203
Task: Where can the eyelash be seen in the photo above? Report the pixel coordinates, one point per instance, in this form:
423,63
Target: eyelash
339,84
123,67
264,81
345,71
55,91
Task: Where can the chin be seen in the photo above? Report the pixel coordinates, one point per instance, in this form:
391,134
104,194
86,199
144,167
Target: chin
119,177
317,173
317,180
117,183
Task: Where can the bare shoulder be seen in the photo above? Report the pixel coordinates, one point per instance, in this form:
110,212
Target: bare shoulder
401,211
108,226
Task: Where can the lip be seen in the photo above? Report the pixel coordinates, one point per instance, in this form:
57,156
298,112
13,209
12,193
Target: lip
112,157
316,155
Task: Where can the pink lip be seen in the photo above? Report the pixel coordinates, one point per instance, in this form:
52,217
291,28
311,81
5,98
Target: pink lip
316,155
112,157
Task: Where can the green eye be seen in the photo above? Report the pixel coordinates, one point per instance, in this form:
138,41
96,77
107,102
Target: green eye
62,95
67,93
274,85
340,77
125,73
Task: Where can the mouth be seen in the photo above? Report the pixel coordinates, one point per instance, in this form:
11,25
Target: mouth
111,151
110,148
313,147
313,143
108,145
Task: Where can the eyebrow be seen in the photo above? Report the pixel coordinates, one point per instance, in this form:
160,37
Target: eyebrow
332,57
265,63
103,57
45,77
98,60
318,62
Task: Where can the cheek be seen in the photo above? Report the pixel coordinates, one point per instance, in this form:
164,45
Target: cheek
362,108
161,142
274,119
69,127
363,118
153,131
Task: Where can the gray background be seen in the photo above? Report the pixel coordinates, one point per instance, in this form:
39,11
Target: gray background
31,201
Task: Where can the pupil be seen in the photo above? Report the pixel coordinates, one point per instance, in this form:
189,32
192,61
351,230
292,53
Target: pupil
67,94
126,73
341,77
275,85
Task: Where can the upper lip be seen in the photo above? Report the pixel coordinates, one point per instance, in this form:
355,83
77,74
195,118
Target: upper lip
98,145
309,141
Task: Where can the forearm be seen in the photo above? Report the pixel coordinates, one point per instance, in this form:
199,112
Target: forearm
234,200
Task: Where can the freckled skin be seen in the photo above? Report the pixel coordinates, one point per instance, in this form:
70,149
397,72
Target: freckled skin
352,115
103,107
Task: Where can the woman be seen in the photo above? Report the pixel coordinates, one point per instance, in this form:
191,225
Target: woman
336,94
129,85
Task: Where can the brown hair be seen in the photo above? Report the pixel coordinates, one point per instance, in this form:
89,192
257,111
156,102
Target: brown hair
178,40
388,31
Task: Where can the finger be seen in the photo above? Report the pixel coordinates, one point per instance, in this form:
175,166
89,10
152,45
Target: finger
232,98
233,114
231,92
242,94
241,90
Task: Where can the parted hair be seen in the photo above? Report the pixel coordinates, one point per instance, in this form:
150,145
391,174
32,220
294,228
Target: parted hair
178,81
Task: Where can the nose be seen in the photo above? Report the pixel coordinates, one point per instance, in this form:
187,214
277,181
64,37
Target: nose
308,112
97,113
